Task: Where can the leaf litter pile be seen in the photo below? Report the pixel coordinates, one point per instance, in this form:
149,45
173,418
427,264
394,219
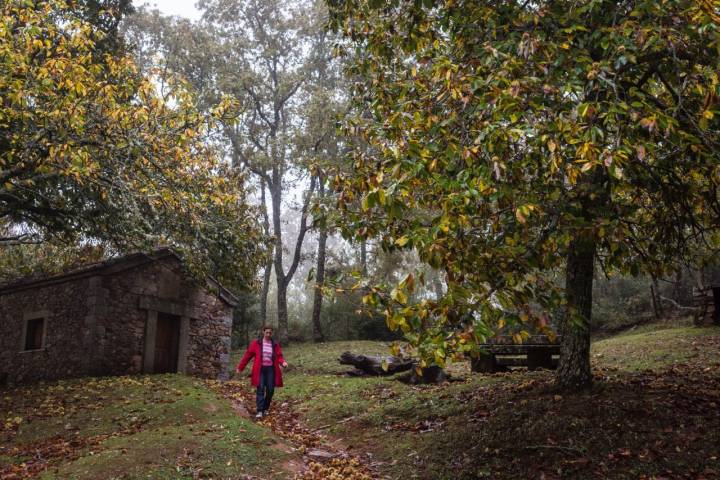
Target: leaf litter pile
322,460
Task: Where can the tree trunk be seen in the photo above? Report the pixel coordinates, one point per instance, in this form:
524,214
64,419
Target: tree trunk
265,291
363,256
573,371
655,296
282,278
320,274
280,282
373,364
268,265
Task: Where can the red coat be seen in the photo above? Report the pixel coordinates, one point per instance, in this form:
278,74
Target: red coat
255,350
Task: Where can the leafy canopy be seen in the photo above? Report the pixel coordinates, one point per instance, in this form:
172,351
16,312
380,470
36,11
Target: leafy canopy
89,149
497,132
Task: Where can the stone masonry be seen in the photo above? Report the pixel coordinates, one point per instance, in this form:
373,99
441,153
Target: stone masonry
103,320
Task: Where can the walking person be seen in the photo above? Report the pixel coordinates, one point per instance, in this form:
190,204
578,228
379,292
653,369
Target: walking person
266,373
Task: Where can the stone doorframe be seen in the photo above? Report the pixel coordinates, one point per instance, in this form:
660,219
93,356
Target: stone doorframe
155,305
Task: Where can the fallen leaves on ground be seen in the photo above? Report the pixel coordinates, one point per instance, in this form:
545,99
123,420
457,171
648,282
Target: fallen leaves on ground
65,400
335,464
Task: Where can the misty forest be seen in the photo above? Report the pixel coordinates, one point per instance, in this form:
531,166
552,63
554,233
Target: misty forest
360,239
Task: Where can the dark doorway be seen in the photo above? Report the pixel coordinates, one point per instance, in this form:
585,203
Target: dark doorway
34,334
166,343
716,302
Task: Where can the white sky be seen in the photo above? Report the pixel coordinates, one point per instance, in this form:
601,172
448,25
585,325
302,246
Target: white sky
182,8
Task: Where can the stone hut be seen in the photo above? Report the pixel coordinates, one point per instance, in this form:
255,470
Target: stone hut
135,314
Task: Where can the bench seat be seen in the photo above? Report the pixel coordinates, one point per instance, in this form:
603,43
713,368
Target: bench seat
538,351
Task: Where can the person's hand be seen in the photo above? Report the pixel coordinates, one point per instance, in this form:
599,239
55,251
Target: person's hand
284,364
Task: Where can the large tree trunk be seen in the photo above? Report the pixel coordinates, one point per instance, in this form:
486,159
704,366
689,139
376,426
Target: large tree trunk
280,282
573,371
320,274
268,265
373,364
283,278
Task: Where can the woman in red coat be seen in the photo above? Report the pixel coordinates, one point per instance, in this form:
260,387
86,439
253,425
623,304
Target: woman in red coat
266,373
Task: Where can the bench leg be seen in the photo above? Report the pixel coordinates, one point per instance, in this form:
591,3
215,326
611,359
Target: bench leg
539,358
485,363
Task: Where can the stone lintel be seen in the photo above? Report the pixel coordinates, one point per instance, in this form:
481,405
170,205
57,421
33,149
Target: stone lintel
163,305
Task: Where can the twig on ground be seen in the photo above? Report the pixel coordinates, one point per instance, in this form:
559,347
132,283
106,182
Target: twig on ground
324,427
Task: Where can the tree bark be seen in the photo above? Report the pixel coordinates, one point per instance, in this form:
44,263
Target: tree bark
282,278
320,273
363,256
268,265
656,303
373,365
573,371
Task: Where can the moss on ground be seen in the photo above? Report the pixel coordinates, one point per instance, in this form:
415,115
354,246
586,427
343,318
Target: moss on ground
650,413
126,427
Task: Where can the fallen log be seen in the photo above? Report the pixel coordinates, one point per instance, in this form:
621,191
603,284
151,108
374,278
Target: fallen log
430,375
373,365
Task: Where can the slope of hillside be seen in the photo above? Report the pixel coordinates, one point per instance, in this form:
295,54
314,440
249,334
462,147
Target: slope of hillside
161,426
653,413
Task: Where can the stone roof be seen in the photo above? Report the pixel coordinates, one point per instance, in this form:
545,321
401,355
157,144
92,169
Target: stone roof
111,266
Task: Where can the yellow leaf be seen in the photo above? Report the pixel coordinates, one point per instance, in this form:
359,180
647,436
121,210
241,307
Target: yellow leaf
399,296
402,241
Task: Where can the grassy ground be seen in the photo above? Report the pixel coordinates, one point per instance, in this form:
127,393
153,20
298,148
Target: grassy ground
165,426
653,413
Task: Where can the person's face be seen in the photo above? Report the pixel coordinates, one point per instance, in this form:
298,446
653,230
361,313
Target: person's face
267,333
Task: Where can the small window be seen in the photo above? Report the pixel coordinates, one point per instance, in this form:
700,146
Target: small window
34,334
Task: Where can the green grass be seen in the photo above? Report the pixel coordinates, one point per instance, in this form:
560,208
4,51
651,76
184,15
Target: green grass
649,349
478,427
170,425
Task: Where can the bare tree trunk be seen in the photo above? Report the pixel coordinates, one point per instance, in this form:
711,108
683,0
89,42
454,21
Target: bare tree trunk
656,303
282,279
276,197
320,273
268,265
573,371
363,256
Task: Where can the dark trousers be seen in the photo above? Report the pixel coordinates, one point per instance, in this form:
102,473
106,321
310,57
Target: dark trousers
265,389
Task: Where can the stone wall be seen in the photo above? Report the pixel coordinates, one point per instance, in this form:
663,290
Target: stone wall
209,352
64,308
98,325
163,284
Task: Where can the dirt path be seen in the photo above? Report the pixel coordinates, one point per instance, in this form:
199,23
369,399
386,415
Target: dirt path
323,459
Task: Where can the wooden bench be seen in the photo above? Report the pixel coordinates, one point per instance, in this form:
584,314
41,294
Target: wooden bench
535,352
